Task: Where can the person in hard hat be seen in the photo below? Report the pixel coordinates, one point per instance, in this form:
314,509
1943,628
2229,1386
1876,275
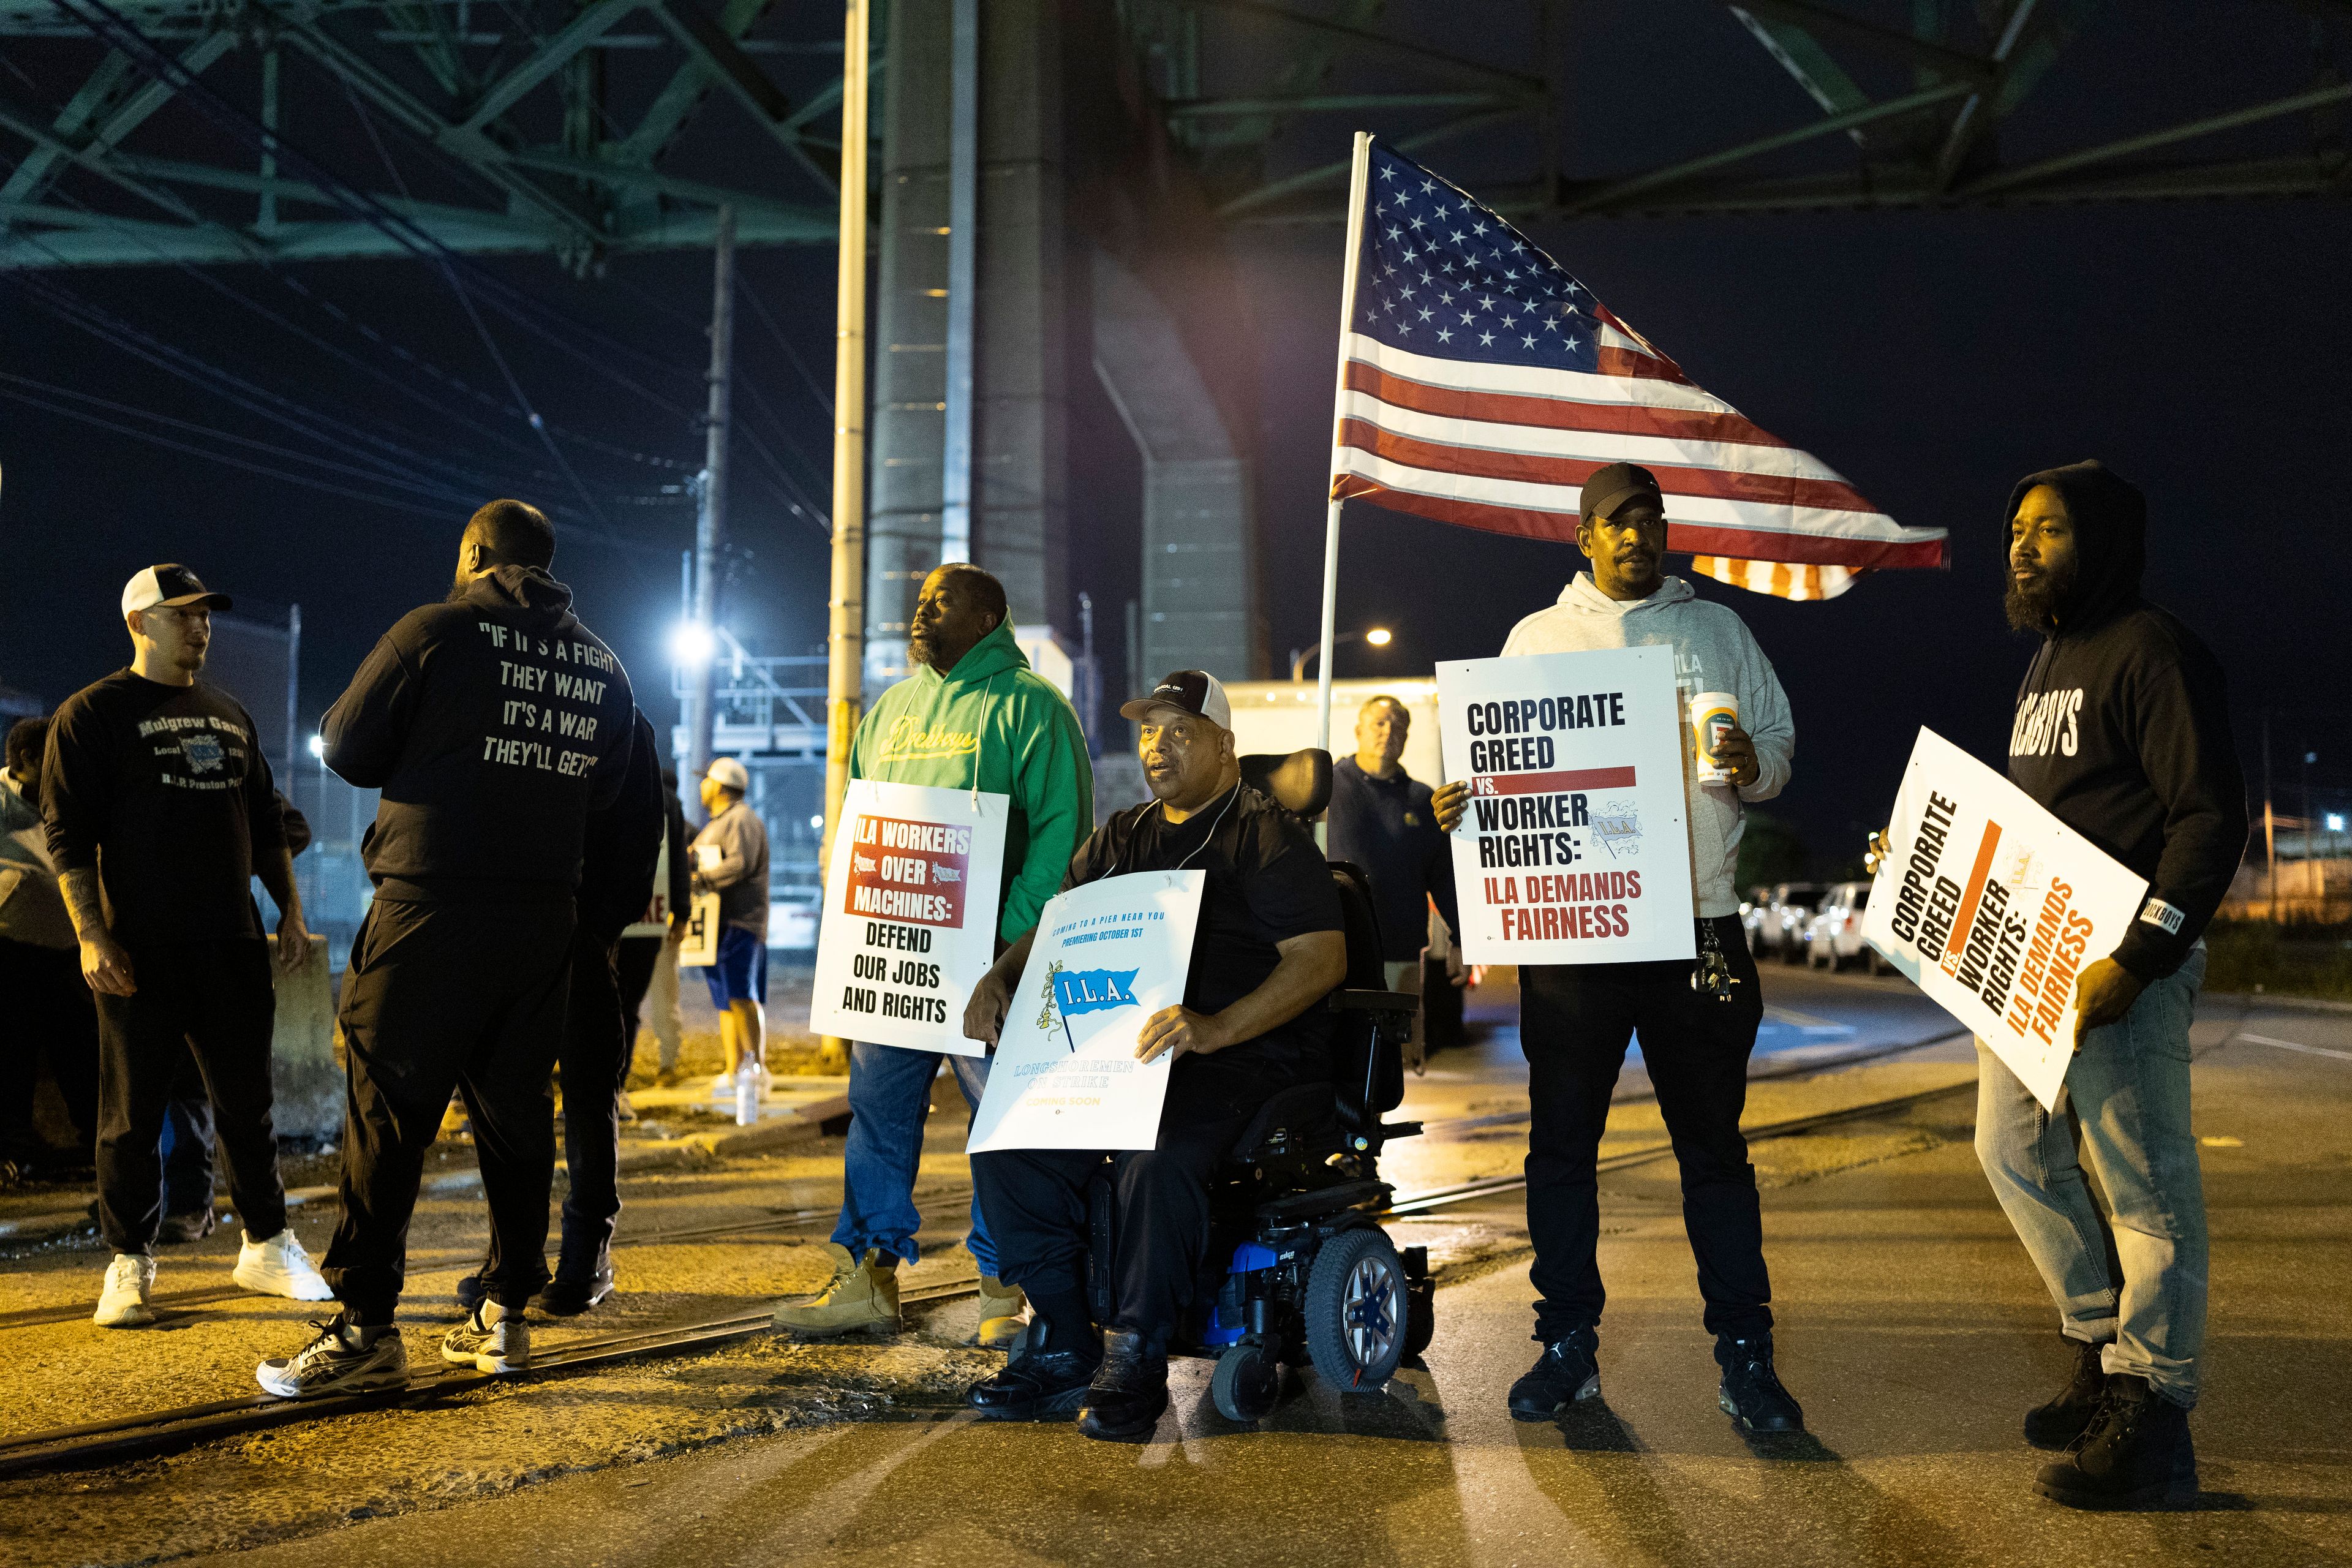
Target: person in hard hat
729,858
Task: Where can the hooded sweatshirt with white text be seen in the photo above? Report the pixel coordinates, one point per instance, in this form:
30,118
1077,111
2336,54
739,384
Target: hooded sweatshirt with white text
1713,651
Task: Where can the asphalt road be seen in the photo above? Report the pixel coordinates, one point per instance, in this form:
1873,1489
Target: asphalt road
1911,1327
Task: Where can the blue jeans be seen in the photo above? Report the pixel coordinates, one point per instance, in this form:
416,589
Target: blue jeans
2132,1280
889,1096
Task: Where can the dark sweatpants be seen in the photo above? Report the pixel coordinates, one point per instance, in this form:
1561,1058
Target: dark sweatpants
634,958
440,997
1036,1200
1575,1021
187,1144
596,1065
214,998
49,1014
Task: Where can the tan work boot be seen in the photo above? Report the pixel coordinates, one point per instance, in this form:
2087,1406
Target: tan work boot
1001,1307
861,1294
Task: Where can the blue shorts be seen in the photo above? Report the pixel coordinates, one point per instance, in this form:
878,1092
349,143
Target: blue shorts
742,973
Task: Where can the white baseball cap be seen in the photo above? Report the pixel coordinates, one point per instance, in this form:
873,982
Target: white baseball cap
1193,691
733,774
170,583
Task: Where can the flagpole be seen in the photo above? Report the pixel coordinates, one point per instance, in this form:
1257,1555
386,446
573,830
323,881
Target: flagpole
1363,157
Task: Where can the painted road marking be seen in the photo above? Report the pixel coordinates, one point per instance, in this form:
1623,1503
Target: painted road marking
2298,1046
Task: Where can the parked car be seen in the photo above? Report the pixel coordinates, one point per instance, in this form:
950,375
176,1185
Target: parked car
1833,933
1786,909
1751,915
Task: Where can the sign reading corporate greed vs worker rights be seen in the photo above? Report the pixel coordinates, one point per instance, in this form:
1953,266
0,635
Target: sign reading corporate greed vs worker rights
1108,956
1574,849
910,904
1993,905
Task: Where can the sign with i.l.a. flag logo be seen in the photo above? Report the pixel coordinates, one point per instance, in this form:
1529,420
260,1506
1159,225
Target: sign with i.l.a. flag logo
1993,907
1108,956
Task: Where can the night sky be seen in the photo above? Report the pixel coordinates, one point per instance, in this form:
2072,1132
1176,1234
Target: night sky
2199,348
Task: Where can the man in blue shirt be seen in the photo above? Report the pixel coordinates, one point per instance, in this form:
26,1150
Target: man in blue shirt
1381,819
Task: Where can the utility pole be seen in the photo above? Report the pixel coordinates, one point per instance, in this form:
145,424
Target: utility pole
710,520
963,240
845,635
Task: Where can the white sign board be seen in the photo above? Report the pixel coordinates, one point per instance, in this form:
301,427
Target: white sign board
1574,849
910,914
1108,956
698,949
1993,905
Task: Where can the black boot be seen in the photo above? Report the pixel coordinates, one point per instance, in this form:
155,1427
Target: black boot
1751,1393
584,1276
1048,1380
1131,1389
1568,1371
2135,1453
2056,1425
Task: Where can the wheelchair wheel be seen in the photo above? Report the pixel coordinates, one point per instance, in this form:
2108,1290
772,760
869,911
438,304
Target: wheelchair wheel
1246,1384
1356,1310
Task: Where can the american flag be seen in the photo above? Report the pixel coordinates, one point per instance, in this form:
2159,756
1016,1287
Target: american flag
1481,384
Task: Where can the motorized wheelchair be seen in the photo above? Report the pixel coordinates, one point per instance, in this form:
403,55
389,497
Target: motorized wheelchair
1298,1271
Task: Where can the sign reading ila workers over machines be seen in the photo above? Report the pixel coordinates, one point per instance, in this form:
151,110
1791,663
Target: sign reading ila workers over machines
1993,905
910,904
1108,956
1574,848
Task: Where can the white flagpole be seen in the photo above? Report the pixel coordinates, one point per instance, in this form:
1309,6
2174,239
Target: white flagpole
1356,180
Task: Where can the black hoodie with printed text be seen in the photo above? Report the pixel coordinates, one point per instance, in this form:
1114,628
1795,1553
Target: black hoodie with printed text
494,723
2122,727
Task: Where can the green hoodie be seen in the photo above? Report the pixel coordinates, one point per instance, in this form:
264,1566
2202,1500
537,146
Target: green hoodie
992,723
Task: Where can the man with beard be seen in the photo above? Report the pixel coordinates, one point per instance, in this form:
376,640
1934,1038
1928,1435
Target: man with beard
1576,1020
973,716
494,722
161,811
2122,731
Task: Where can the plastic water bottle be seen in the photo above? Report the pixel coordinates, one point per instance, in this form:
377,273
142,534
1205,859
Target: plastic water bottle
746,1097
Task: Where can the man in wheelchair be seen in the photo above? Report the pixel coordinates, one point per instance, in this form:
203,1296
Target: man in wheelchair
1269,947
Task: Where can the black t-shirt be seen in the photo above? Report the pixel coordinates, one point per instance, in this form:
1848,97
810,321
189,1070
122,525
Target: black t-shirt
1267,883
163,790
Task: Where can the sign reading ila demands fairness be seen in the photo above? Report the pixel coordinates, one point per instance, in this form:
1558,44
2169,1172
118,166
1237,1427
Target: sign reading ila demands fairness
1574,849
1108,956
1992,907
911,905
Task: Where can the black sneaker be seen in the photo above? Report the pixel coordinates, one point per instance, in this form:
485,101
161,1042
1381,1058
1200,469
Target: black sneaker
343,1358
2135,1453
193,1226
1568,1371
1048,1379
2056,1425
1130,1391
471,1290
579,1284
1751,1393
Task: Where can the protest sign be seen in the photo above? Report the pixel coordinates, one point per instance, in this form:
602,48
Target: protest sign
1993,905
1574,849
698,949
910,904
1108,956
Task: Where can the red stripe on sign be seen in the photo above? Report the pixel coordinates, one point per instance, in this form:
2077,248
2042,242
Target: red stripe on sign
1554,784
1557,413
1969,898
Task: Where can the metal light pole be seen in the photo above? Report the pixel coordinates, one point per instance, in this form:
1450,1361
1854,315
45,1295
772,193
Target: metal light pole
1377,635
710,522
845,635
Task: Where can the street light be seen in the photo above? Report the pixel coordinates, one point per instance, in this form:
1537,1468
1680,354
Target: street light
692,643
1379,636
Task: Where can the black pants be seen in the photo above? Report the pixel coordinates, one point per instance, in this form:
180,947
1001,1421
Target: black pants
1574,1023
215,999
464,997
596,1065
48,1013
634,958
187,1142
1035,1201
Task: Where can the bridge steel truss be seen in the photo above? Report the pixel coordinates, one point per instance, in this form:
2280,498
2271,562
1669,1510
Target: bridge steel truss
1252,91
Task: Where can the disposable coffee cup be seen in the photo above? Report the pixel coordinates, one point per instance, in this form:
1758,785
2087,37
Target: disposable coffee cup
1712,713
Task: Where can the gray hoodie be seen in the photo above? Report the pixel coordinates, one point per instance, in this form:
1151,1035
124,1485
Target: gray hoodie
1713,652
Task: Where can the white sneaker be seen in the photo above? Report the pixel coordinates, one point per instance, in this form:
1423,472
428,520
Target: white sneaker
280,1266
723,1087
123,1303
343,1359
492,1340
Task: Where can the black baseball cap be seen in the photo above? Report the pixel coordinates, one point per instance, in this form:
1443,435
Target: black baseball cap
1193,691
1613,486
170,583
